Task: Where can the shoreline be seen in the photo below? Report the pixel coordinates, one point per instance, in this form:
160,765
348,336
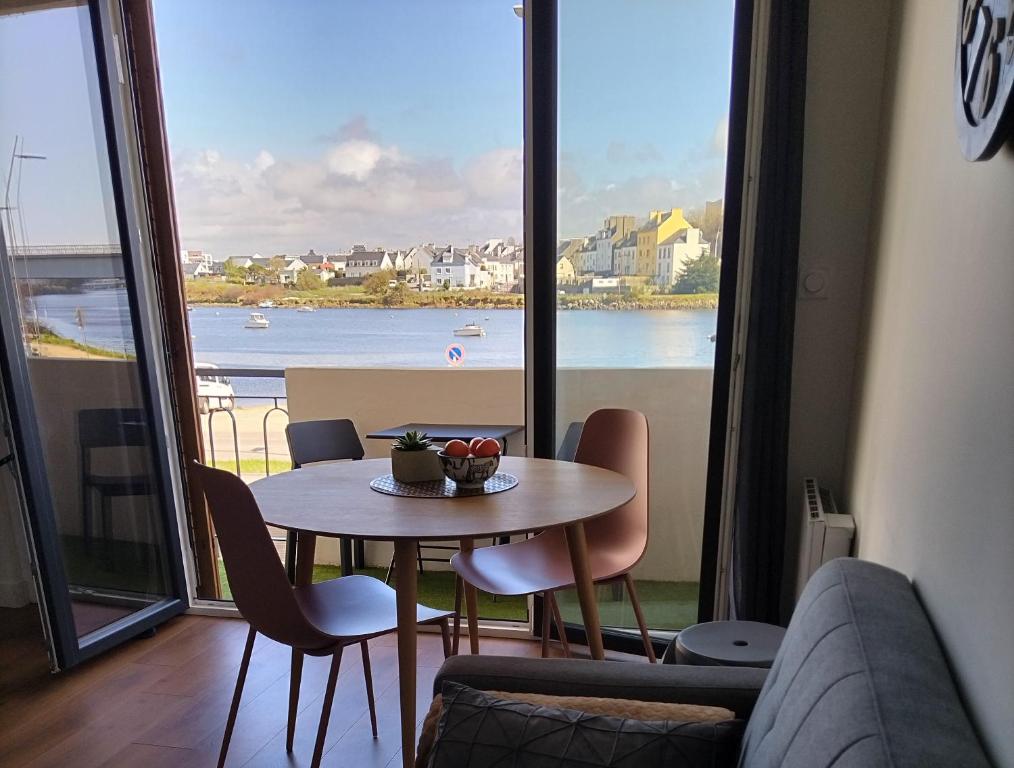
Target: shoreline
608,302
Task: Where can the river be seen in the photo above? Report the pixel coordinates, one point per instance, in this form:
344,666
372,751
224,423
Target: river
415,338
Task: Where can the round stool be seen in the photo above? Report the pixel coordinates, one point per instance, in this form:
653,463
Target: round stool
729,644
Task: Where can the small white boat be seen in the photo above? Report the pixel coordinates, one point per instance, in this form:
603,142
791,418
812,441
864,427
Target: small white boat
470,329
257,320
267,304
306,309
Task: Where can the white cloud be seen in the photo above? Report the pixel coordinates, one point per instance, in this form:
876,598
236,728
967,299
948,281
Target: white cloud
720,137
357,189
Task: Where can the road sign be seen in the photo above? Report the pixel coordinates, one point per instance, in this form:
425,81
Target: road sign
455,354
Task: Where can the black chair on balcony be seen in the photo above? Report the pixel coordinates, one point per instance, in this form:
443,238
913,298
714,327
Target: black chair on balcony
324,440
108,430
332,440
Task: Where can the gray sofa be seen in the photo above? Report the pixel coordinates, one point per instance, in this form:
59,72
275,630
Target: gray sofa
859,682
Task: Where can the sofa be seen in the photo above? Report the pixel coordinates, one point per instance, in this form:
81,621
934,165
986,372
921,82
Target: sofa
860,681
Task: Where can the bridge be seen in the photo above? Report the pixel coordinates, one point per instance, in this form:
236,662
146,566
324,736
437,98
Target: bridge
80,262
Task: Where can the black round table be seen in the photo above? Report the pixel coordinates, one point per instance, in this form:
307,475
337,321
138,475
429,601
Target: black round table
729,644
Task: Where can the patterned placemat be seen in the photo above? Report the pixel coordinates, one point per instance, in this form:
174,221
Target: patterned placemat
437,489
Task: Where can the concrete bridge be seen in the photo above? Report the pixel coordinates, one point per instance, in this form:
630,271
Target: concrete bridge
81,262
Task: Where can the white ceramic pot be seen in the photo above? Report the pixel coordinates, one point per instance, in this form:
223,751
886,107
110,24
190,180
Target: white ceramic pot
416,466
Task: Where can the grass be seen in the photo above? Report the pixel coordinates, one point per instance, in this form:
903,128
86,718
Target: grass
666,604
254,466
55,339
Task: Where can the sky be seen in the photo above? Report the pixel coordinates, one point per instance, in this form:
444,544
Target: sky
320,124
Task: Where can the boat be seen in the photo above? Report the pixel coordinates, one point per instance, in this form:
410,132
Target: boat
257,320
267,304
470,329
306,309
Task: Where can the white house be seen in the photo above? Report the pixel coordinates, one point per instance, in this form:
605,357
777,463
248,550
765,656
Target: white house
625,255
584,259
243,262
457,268
674,252
602,263
198,257
194,269
288,274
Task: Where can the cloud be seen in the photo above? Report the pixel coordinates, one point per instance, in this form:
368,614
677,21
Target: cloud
620,154
720,137
357,189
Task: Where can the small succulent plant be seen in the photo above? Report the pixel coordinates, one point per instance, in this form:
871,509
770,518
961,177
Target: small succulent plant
412,441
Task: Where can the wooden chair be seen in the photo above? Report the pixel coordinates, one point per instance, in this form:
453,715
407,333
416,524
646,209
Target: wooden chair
316,619
614,439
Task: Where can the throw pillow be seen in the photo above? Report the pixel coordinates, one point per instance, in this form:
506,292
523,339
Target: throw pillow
478,729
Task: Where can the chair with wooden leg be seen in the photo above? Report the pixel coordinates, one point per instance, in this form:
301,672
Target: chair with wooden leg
316,619
611,438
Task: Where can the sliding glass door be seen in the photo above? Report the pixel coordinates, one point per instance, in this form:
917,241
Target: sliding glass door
640,110
78,341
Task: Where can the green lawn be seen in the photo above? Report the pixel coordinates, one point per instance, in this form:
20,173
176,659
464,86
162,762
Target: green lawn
666,604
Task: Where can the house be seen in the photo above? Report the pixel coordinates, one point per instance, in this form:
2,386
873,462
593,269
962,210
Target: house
584,255
243,262
564,271
195,269
361,262
660,226
457,268
625,256
287,275
674,252
198,257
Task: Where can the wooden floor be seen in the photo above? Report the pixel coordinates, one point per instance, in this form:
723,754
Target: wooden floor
163,701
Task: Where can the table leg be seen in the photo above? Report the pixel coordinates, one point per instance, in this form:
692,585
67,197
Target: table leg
406,586
471,604
306,547
578,547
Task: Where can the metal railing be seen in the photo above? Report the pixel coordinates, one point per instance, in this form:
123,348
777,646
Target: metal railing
238,373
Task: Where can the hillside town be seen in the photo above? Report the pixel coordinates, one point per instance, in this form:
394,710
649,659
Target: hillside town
626,253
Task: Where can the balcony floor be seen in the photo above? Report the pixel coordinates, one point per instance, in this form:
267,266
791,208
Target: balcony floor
163,701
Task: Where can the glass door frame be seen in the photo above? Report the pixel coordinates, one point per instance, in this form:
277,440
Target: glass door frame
67,649
541,159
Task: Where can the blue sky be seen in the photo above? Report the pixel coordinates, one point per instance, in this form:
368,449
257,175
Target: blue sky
319,124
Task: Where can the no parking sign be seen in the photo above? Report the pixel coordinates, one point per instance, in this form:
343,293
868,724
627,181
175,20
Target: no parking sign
455,354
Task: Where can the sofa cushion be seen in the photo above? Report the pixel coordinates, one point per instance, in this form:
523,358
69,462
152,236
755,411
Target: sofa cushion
477,729
860,680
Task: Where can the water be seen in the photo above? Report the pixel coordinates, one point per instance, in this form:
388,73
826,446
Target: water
411,338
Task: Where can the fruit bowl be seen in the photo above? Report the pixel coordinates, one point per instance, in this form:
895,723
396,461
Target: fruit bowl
469,471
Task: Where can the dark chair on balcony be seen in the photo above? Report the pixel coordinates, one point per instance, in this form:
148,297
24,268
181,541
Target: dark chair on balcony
316,619
615,439
107,430
324,440
335,440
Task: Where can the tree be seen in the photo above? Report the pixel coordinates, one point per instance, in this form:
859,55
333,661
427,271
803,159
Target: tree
376,283
234,273
307,280
699,275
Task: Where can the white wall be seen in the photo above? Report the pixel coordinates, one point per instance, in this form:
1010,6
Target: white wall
931,477
845,72
676,401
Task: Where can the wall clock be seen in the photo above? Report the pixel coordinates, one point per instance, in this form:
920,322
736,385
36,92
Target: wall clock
984,76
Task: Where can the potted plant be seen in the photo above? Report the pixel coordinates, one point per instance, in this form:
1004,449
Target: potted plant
414,459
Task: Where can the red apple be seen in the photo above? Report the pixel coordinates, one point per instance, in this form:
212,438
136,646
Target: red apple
473,444
456,448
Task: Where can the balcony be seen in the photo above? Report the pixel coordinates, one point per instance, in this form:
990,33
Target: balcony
675,400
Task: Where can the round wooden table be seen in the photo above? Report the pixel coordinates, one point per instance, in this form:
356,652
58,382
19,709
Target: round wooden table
336,500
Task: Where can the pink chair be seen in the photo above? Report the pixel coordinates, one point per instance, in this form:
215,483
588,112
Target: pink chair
317,619
612,438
